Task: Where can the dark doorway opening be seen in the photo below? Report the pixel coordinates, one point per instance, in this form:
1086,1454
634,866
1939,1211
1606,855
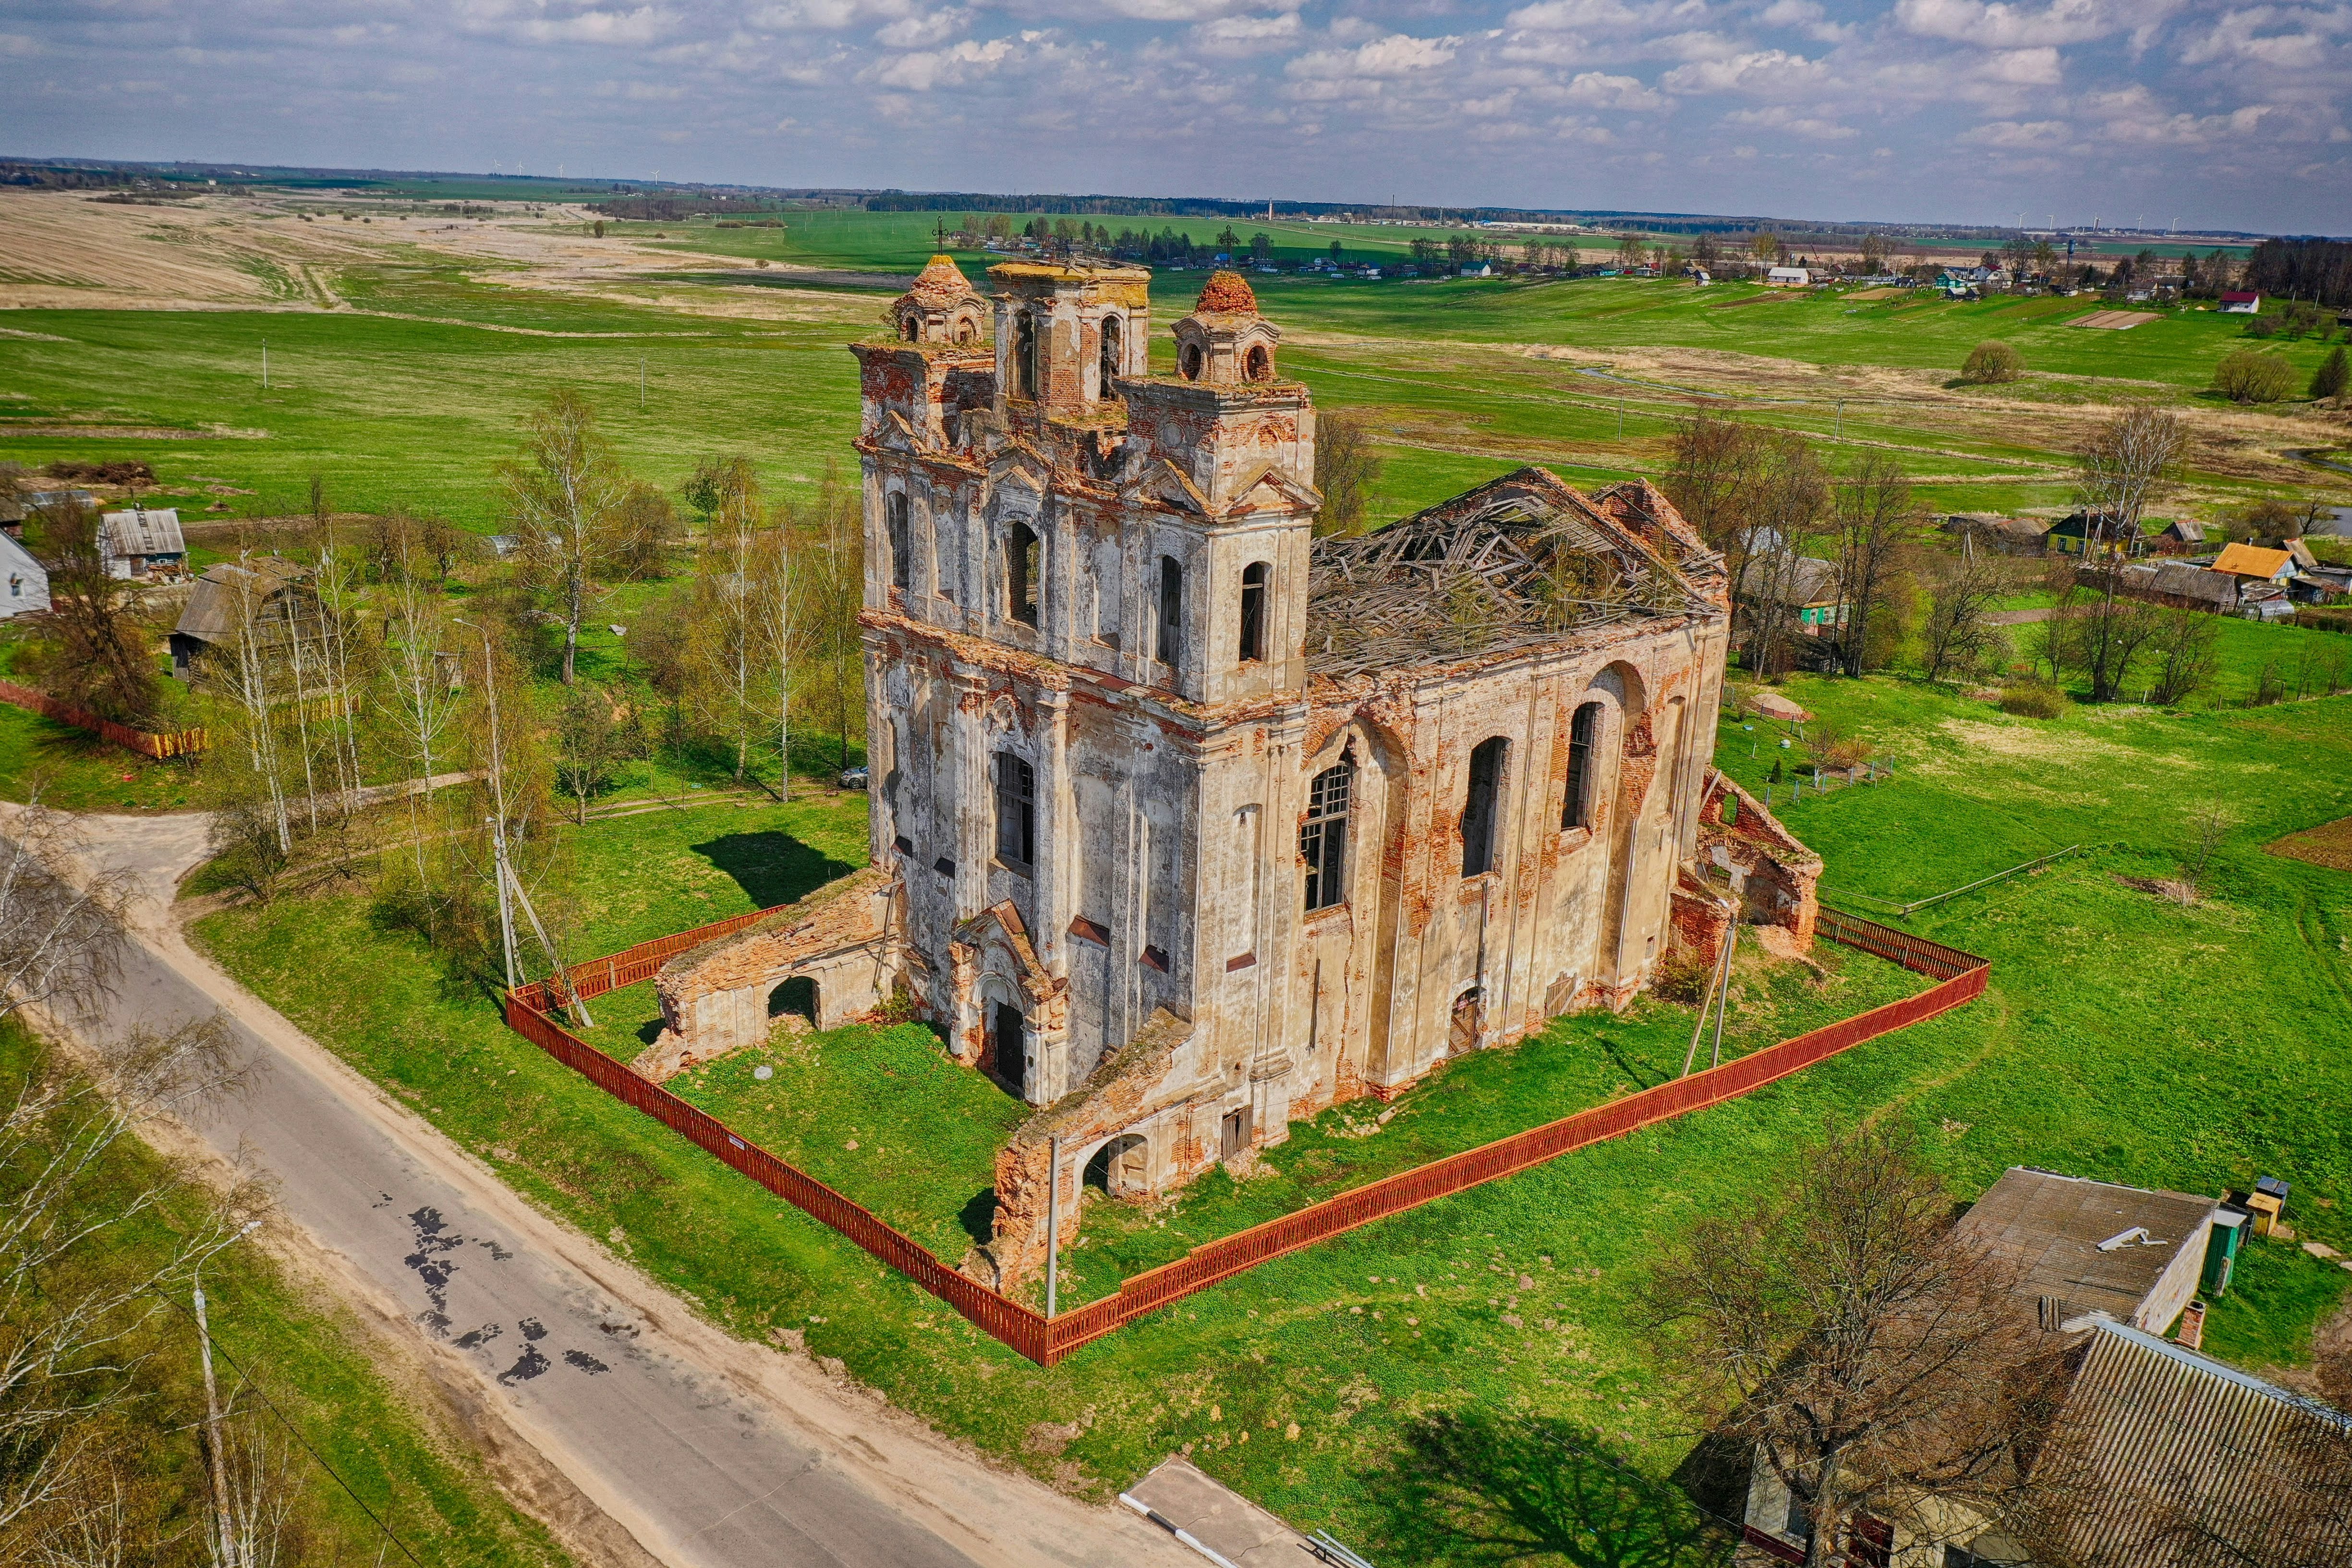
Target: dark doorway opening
797,996
1234,1132
1012,1048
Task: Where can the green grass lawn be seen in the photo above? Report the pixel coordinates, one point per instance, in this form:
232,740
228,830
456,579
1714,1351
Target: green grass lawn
2123,1037
2278,1294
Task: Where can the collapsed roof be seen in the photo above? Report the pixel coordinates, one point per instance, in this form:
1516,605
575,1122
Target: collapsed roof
1519,563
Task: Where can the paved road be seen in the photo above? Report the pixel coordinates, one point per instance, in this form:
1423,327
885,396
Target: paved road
707,1451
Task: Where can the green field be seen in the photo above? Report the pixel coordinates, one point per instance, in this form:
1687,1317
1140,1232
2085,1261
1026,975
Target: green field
409,395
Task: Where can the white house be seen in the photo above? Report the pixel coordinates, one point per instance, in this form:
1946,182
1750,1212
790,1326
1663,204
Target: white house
24,582
1787,278
2241,304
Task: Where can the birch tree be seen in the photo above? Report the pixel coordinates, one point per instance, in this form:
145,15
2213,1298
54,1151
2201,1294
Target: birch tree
1874,513
416,697
565,499
2123,468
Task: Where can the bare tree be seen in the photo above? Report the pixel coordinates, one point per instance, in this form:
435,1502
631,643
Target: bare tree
1879,1367
566,497
417,697
832,547
1956,634
1784,494
2186,645
1875,512
1346,467
94,643
2120,470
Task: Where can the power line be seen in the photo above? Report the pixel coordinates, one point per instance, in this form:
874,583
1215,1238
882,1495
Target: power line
271,1405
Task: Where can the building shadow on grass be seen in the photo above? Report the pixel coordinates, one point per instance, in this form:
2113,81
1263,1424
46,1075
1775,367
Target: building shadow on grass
979,1216
1490,1487
771,867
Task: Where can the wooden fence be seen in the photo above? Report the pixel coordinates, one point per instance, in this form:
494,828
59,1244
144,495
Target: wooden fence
179,743
1959,977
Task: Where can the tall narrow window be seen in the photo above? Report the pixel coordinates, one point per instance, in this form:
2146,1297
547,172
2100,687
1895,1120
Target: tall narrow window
1021,554
1323,840
1025,354
1113,338
1583,729
1016,812
1478,813
894,513
1169,648
1254,577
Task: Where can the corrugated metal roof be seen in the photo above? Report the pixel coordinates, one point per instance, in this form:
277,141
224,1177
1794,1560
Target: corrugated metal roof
143,533
2251,561
2166,1458
230,588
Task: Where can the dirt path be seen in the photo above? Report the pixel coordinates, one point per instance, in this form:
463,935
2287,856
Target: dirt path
609,1406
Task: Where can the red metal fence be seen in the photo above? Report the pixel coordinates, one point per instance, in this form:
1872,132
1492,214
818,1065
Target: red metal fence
1960,976
179,743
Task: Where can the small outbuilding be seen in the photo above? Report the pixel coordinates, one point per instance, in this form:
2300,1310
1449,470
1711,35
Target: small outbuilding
2241,304
1787,278
140,543
264,606
2255,562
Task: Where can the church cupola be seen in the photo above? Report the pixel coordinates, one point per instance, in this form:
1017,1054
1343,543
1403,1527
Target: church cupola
941,308
1224,342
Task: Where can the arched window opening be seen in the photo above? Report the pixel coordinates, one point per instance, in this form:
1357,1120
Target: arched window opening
1117,1167
1253,578
1016,812
1025,354
1583,732
1259,364
796,998
894,513
1170,647
1021,556
908,327
1323,839
1478,813
1188,362
1112,360
966,333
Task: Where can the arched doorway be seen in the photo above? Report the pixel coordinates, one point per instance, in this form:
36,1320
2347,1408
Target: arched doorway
796,997
1117,1167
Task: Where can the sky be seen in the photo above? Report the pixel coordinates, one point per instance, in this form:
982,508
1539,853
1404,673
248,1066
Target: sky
2126,111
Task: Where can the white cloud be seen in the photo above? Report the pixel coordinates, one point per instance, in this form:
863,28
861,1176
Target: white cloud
924,29
1759,72
1394,56
2014,133
2000,25
966,61
642,26
1791,122
1597,90
1247,35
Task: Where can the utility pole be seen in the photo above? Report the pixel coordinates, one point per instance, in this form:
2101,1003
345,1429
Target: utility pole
265,365
641,384
1621,419
1052,1222
224,1539
1838,429
506,907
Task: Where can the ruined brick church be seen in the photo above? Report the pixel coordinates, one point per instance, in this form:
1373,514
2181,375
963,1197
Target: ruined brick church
1187,824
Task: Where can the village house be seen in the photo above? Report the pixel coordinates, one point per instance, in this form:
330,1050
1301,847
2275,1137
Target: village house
24,582
140,543
1186,824
2090,533
2147,1426
1787,278
260,608
2241,303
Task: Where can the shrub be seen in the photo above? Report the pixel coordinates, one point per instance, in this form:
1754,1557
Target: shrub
2248,375
2032,699
1992,360
2332,377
